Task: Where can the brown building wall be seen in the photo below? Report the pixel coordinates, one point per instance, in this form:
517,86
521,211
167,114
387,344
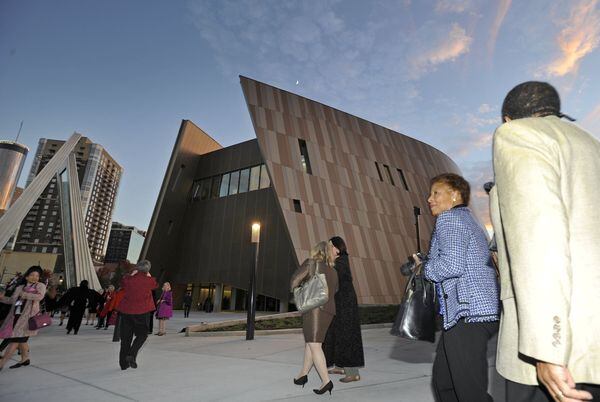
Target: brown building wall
344,195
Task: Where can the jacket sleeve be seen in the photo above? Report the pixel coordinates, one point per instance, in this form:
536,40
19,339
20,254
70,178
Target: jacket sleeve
37,296
535,222
449,258
169,299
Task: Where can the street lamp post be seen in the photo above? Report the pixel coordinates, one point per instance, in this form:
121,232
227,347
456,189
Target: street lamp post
252,299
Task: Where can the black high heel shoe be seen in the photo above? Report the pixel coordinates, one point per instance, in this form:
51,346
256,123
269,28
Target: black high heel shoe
25,363
301,381
327,387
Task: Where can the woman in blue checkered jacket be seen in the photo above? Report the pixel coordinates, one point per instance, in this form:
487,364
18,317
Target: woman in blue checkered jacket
459,263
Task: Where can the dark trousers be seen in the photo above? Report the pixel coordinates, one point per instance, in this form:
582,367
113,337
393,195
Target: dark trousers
150,322
75,318
460,368
516,392
132,324
186,310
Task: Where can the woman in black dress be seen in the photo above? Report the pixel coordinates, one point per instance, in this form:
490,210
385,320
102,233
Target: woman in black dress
343,344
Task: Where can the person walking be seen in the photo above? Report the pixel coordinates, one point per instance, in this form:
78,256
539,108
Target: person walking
164,308
25,302
77,298
343,344
104,312
459,263
187,304
94,301
315,322
133,311
544,213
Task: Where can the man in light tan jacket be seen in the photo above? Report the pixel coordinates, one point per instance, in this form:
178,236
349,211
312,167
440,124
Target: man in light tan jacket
546,215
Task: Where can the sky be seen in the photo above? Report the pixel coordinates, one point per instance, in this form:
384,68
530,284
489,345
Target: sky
125,73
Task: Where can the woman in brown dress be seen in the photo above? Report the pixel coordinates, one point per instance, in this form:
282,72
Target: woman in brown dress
316,321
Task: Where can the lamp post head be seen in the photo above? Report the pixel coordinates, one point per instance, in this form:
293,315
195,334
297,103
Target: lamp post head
255,232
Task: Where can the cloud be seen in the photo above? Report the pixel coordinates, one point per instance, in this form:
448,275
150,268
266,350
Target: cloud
485,108
503,6
451,46
579,36
452,6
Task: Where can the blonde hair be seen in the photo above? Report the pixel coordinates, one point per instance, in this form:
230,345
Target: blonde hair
320,253
167,284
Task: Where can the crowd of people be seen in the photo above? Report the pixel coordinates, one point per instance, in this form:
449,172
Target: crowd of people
536,284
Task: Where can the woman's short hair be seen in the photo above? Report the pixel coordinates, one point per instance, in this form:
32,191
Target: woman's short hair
455,182
319,252
143,266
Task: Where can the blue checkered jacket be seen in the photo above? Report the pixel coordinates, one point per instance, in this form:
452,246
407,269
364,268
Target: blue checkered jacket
460,265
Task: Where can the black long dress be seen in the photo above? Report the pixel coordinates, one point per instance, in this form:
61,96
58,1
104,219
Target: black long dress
343,343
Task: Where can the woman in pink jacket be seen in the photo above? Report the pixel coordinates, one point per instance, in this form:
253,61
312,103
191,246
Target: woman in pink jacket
25,304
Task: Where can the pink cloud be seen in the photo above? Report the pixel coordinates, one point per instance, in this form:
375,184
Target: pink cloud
453,45
503,6
579,37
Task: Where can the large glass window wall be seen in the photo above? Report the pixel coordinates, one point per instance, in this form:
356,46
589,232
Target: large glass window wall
231,183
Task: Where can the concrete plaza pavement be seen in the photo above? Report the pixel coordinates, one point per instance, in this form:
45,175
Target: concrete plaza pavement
84,367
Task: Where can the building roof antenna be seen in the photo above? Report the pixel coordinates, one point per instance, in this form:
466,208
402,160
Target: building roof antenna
19,132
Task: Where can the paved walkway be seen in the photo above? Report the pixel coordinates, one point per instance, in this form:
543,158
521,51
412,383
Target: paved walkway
84,368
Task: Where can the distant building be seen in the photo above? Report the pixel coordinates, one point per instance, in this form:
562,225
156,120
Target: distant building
124,243
99,178
12,158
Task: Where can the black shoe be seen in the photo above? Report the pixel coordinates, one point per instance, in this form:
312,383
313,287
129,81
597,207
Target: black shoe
60,324
131,362
68,331
301,381
327,387
124,367
25,363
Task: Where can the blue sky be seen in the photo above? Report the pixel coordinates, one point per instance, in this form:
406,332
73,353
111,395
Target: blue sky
125,73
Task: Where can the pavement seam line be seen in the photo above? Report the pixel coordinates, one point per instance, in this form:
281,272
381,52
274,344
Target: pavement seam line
84,383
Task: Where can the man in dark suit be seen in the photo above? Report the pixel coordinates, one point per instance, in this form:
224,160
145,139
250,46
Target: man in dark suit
134,309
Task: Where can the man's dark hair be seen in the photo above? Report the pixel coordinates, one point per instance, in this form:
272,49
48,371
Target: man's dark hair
531,99
455,182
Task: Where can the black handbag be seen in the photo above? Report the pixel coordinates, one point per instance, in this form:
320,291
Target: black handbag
416,316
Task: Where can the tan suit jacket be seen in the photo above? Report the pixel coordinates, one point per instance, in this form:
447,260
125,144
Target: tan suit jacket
545,210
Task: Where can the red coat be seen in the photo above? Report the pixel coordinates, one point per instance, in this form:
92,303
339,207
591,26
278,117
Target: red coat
137,297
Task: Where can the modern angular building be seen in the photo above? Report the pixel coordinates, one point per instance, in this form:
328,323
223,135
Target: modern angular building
99,176
312,172
124,243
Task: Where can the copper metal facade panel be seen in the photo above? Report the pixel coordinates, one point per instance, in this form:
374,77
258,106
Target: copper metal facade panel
344,195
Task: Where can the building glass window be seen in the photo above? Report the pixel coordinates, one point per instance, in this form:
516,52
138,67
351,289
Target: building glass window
297,206
401,173
244,180
224,186
378,171
304,159
254,178
389,174
265,182
205,189
195,190
215,187
233,182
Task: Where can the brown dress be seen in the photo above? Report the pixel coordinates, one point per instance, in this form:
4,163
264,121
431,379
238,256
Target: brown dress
316,321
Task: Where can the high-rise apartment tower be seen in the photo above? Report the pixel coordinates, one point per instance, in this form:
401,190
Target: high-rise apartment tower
99,178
